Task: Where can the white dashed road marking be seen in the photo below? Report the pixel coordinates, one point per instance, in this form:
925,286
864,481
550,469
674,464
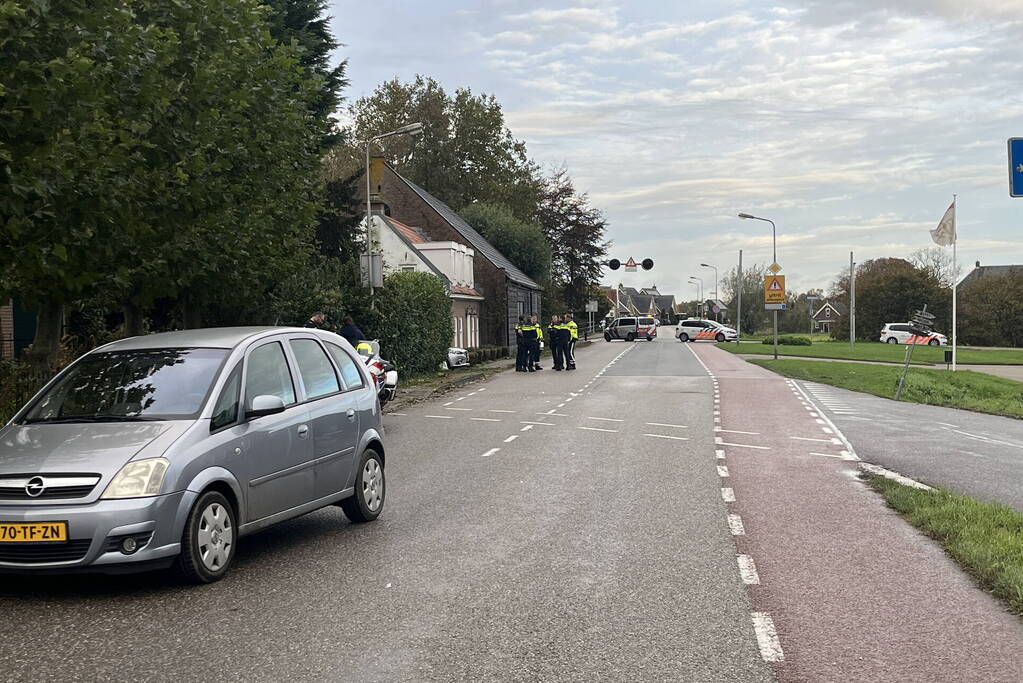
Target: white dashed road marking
511,438
748,570
490,452
598,429
767,637
665,436
440,417
605,419
728,495
662,424
744,445
735,525
484,419
735,431
722,471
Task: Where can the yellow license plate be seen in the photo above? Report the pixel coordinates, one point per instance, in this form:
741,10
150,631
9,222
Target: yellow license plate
33,532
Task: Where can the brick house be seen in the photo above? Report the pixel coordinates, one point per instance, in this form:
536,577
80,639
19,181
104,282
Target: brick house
405,248
507,292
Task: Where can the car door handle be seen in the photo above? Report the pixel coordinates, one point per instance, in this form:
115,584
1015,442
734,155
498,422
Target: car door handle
351,415
303,430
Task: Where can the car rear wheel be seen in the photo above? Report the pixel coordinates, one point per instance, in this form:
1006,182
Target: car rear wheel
607,337
934,342
683,337
368,501
720,336
649,338
207,544
892,340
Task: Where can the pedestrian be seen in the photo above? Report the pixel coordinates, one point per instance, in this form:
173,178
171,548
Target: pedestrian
573,335
351,332
521,347
556,334
531,335
536,344
318,320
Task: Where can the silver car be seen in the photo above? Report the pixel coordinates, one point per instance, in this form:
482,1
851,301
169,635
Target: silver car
167,449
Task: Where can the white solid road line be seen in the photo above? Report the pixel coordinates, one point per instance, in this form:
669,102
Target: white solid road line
767,637
744,445
598,429
728,495
664,424
545,424
665,436
605,419
526,428
511,438
490,452
441,417
832,455
448,403
748,570
458,409
806,438
554,414
502,411
735,431
485,419
735,525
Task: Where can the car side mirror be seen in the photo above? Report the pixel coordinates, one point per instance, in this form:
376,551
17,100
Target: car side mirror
264,404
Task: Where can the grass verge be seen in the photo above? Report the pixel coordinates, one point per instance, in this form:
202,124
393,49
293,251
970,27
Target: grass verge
985,539
964,389
892,353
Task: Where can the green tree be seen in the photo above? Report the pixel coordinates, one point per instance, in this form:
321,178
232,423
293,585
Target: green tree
575,231
523,243
466,154
991,311
751,284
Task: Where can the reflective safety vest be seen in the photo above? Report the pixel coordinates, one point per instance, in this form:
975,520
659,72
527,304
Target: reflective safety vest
573,328
364,349
531,332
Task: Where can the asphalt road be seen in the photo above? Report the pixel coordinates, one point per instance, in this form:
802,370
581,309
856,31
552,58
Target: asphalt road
972,453
548,526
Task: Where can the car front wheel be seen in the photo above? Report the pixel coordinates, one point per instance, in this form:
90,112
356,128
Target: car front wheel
683,337
934,342
893,340
368,501
720,337
207,544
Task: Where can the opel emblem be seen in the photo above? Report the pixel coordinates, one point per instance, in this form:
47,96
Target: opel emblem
35,487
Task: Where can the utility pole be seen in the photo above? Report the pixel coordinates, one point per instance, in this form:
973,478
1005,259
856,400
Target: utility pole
738,308
852,300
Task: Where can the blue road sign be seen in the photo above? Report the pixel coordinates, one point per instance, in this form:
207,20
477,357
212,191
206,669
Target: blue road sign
1016,167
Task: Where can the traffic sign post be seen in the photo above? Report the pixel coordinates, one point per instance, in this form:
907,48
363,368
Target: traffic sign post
1016,167
774,298
922,323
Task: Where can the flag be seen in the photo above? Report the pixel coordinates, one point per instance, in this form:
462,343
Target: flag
945,233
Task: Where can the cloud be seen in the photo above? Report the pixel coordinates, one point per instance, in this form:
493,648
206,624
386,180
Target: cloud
566,19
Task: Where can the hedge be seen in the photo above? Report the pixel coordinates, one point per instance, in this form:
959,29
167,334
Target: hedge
789,340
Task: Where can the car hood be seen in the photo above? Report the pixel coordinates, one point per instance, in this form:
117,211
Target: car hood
78,447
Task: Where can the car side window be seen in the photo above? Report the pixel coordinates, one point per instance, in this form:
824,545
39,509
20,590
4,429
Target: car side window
225,411
313,365
349,370
267,373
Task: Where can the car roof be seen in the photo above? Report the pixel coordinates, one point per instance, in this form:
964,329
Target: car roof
212,337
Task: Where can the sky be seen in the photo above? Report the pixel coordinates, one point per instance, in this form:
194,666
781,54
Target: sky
849,123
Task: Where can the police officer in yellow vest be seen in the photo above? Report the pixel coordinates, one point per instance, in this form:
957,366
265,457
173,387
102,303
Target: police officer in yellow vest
573,330
531,334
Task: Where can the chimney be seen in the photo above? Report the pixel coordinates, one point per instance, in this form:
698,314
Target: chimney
978,264
376,183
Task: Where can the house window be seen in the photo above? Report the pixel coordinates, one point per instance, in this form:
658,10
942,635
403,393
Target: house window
521,307
827,312
408,269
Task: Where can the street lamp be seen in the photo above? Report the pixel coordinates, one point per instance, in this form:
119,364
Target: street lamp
716,295
699,304
774,256
410,129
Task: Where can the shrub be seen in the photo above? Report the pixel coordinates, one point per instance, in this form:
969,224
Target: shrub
789,340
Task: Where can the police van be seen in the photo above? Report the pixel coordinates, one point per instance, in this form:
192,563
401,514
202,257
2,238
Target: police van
902,333
631,329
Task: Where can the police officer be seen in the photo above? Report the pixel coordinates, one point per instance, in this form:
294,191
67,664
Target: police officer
573,332
530,345
534,355
521,347
557,349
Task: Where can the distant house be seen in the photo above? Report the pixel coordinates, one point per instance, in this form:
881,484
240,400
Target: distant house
17,329
507,292
980,272
827,315
405,248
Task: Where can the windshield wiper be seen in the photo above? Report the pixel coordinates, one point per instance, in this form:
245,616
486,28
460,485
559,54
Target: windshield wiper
93,418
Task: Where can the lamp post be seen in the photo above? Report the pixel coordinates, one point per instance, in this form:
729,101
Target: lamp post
699,304
716,295
808,300
410,129
774,257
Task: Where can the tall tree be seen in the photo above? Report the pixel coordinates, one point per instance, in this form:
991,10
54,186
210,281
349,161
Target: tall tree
466,153
937,262
522,242
751,284
575,231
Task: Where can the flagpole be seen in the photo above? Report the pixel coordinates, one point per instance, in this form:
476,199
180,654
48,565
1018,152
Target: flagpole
955,281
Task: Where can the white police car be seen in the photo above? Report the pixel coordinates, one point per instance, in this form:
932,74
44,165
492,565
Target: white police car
902,333
704,330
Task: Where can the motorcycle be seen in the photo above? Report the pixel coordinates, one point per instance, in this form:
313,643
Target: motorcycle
383,372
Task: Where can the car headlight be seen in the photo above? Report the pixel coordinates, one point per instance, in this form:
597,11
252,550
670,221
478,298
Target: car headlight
138,478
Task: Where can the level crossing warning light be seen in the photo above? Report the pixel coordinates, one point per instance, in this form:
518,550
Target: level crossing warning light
630,265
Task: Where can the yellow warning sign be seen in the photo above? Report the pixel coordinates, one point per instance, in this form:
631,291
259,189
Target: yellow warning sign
774,289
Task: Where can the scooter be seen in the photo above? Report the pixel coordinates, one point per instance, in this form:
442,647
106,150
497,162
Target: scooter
383,372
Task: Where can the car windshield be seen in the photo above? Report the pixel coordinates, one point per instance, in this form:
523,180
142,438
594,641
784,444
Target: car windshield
150,384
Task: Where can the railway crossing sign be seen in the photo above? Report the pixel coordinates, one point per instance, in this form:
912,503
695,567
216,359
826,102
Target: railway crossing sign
630,265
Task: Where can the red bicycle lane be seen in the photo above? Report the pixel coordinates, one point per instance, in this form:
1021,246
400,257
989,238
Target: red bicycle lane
852,592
